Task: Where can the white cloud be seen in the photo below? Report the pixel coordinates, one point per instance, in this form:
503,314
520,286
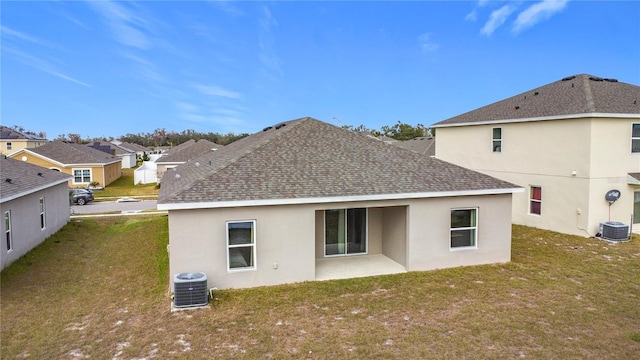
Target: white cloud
127,27
426,43
269,59
42,65
496,19
538,12
216,91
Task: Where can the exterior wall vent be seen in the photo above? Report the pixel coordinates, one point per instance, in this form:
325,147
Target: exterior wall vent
613,230
190,289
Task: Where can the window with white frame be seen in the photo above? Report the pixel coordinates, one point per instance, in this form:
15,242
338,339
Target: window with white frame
635,138
7,230
496,139
81,176
464,228
535,200
241,245
43,220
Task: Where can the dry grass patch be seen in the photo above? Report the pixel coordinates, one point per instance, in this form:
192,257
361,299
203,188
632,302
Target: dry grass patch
99,289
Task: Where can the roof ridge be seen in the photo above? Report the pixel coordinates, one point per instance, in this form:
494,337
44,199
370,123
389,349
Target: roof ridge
588,93
234,159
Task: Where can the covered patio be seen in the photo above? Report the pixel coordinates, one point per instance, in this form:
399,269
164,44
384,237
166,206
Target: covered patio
345,267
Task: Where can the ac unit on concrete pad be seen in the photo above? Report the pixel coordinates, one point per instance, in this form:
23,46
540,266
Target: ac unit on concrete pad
190,289
613,230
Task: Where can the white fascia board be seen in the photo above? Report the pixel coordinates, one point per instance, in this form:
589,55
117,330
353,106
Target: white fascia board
543,118
34,190
13,156
300,201
92,164
632,181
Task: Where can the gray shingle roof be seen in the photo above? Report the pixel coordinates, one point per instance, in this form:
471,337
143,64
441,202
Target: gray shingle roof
188,150
68,154
25,178
133,147
308,158
573,95
7,133
421,145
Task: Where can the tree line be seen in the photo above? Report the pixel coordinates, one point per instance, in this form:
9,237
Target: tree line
162,137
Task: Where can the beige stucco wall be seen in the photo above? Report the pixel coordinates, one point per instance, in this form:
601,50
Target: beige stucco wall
25,220
18,144
162,168
415,233
575,161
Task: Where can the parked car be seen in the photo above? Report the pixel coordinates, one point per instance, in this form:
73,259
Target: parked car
80,196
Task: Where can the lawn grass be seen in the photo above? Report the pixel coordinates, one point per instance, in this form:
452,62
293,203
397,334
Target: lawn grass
124,186
99,288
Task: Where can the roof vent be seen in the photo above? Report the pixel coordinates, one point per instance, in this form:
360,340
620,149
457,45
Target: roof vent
517,107
281,125
39,174
8,180
594,78
267,128
536,93
197,164
611,80
569,78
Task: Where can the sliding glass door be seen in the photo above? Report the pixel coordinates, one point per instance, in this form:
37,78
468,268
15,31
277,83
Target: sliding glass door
345,231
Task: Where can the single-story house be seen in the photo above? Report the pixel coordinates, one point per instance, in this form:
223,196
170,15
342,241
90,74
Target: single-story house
128,157
305,200
12,140
183,153
570,143
422,145
34,203
83,163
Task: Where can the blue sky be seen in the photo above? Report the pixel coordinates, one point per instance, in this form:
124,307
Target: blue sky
102,68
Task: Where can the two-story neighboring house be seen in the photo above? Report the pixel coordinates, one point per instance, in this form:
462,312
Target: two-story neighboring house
12,140
568,143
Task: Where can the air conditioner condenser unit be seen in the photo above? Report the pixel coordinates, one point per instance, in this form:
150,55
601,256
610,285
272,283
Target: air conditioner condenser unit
613,230
190,289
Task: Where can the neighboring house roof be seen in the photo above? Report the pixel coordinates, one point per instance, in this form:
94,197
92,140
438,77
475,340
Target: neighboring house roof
20,178
573,95
188,150
133,147
110,148
12,134
72,154
306,160
421,145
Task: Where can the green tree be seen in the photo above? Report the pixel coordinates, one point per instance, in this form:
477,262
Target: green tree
403,131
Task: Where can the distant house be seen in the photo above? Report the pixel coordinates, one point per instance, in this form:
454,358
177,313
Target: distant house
83,163
305,200
183,153
568,142
34,203
12,140
128,157
138,149
422,145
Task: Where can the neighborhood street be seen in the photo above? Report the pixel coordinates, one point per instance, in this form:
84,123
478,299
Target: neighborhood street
113,206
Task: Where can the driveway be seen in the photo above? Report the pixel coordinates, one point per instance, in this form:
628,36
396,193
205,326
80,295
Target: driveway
113,206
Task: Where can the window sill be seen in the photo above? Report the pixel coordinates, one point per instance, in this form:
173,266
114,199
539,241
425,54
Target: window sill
463,248
236,270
